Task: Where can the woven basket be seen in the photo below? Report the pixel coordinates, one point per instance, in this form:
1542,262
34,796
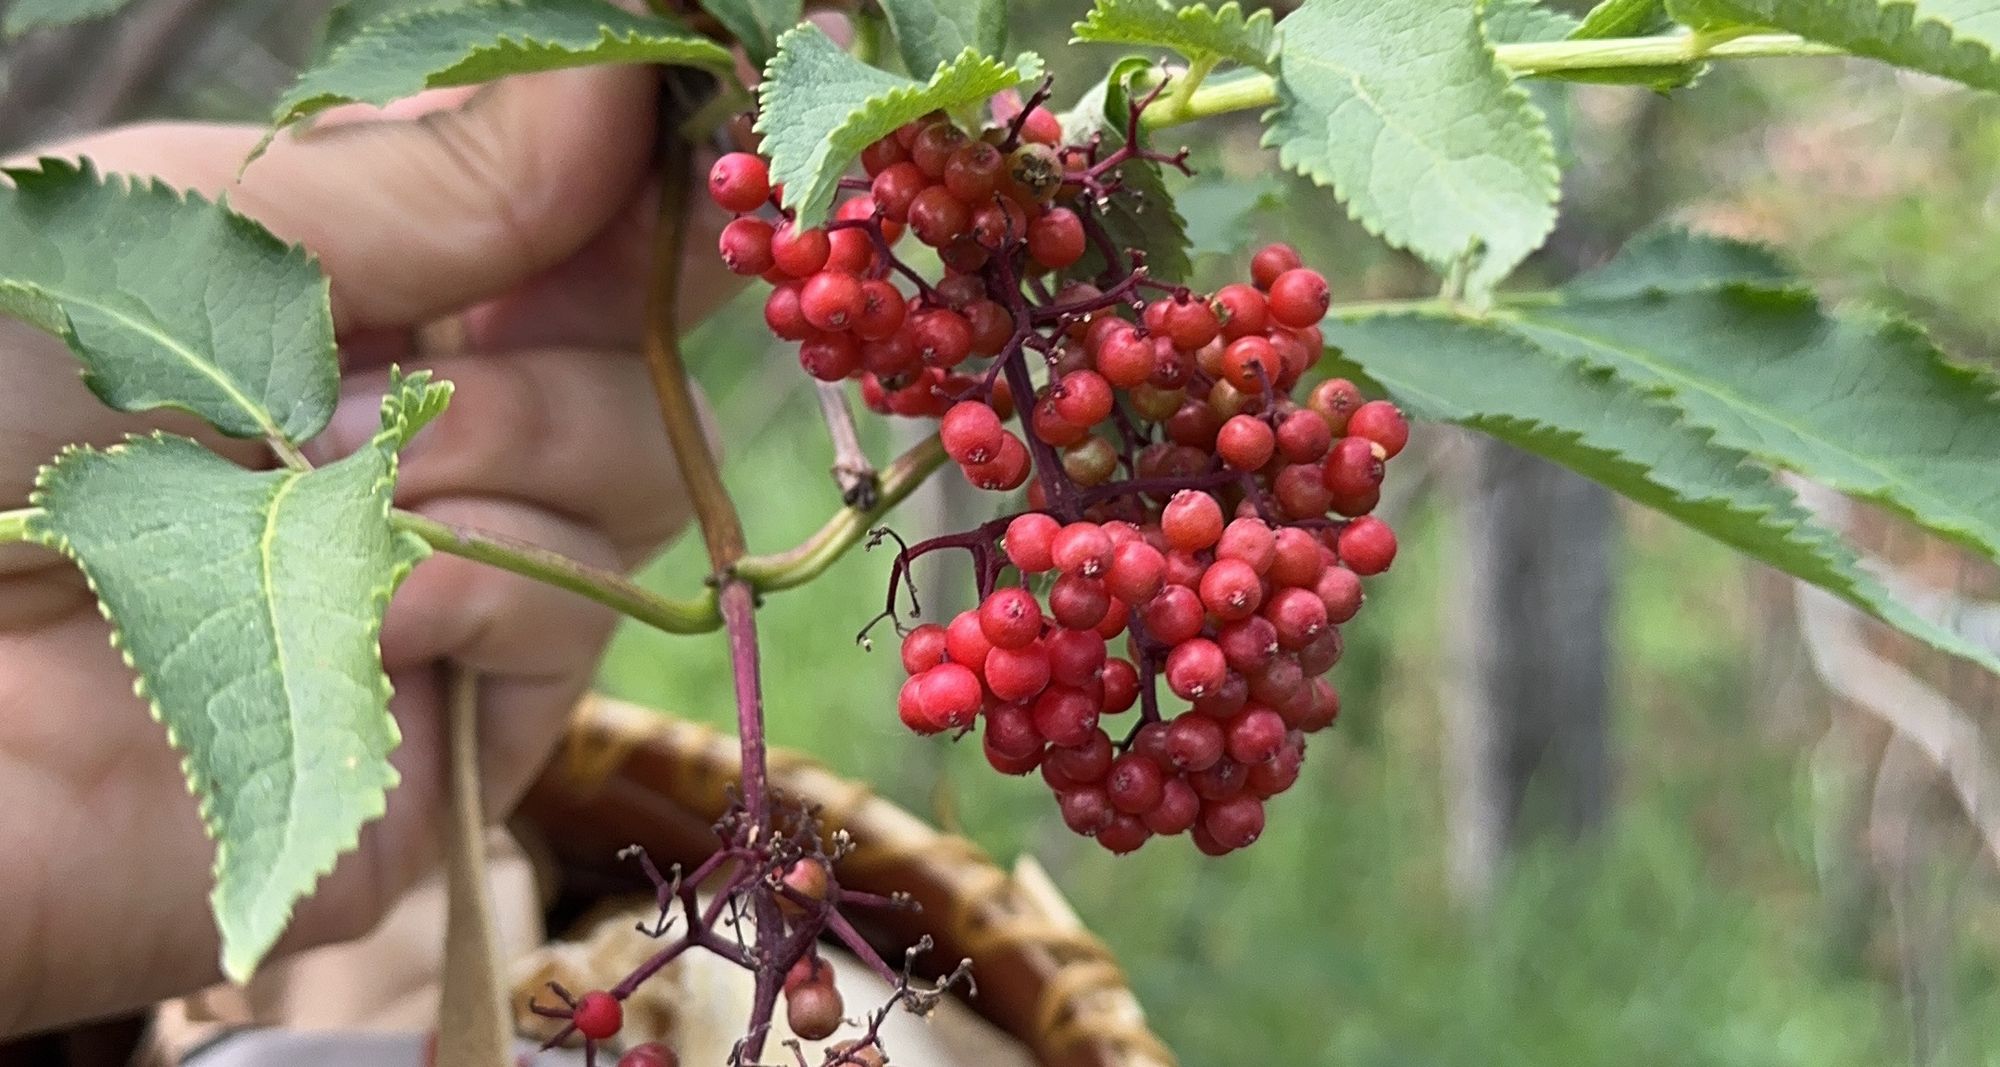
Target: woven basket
630,775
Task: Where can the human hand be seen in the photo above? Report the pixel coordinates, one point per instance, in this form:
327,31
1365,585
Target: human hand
521,217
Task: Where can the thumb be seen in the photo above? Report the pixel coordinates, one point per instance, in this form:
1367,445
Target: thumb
417,217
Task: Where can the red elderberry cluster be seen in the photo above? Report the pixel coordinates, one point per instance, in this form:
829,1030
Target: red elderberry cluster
1182,499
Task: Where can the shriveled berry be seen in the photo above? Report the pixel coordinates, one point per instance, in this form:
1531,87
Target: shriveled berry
813,1011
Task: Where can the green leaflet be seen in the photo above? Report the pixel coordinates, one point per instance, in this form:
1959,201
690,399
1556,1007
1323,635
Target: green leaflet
1197,31
170,300
756,24
1481,375
820,107
1624,18
1407,115
1949,38
25,15
1862,403
931,32
389,58
249,603
1516,21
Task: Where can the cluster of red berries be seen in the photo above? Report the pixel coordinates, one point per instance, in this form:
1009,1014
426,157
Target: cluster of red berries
1182,498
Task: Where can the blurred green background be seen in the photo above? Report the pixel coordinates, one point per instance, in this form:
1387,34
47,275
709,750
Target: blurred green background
1737,906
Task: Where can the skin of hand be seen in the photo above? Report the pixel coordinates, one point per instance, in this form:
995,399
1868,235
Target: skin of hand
520,217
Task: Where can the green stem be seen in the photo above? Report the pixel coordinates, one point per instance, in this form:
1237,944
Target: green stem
1527,60
14,524
615,591
814,555
1364,309
1183,90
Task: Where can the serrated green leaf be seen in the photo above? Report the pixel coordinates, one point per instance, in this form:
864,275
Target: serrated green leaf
1197,31
1949,38
239,331
820,107
1624,18
249,603
412,402
1221,211
351,17
1673,260
756,24
1481,375
25,15
389,58
1409,118
931,32
1521,21
1862,403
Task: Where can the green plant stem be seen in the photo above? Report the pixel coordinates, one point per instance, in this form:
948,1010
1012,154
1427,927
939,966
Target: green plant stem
696,616
14,524
1364,309
784,570
1522,60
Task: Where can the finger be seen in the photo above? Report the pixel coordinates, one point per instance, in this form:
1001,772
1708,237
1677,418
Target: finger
416,217
577,433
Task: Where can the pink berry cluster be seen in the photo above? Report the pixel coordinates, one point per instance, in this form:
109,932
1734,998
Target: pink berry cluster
1182,503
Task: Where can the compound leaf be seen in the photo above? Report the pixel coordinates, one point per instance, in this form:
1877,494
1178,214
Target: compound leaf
249,603
395,56
25,15
931,32
1949,38
1861,402
1482,375
820,107
1197,31
170,300
1404,111
756,24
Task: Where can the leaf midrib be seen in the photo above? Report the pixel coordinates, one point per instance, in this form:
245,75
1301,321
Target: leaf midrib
267,587
1891,481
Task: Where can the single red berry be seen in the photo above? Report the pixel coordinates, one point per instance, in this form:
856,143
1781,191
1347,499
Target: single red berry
807,877
782,315
1041,127
1190,323
849,251
972,171
997,225
1219,781
1241,310
1083,397
1064,716
1134,784
1121,686
1336,399
1006,471
882,155
1017,674
1296,558
1248,644
1083,764
1236,822
1194,742
942,336
1367,546
1192,520
1249,539
1124,834
1178,810
830,357
1076,657
1010,618
1194,667
923,648
1317,656
1272,261
934,145
1077,602
1082,548
882,310
1126,357
1137,573
1031,541
992,326
1252,365
1245,442
949,695
1301,491
939,218
1255,734
1228,699
1297,616
1174,615
895,188
1299,298
800,253
739,182
745,246
1303,437
1010,731
813,1011
1340,590
1085,809
1353,468
832,301
1051,428
1091,461
598,1015
1056,239
971,433
1230,589
1380,422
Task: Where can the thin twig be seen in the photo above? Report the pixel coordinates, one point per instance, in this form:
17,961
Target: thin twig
851,469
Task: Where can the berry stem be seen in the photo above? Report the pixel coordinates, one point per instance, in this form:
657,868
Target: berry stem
811,557
851,469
